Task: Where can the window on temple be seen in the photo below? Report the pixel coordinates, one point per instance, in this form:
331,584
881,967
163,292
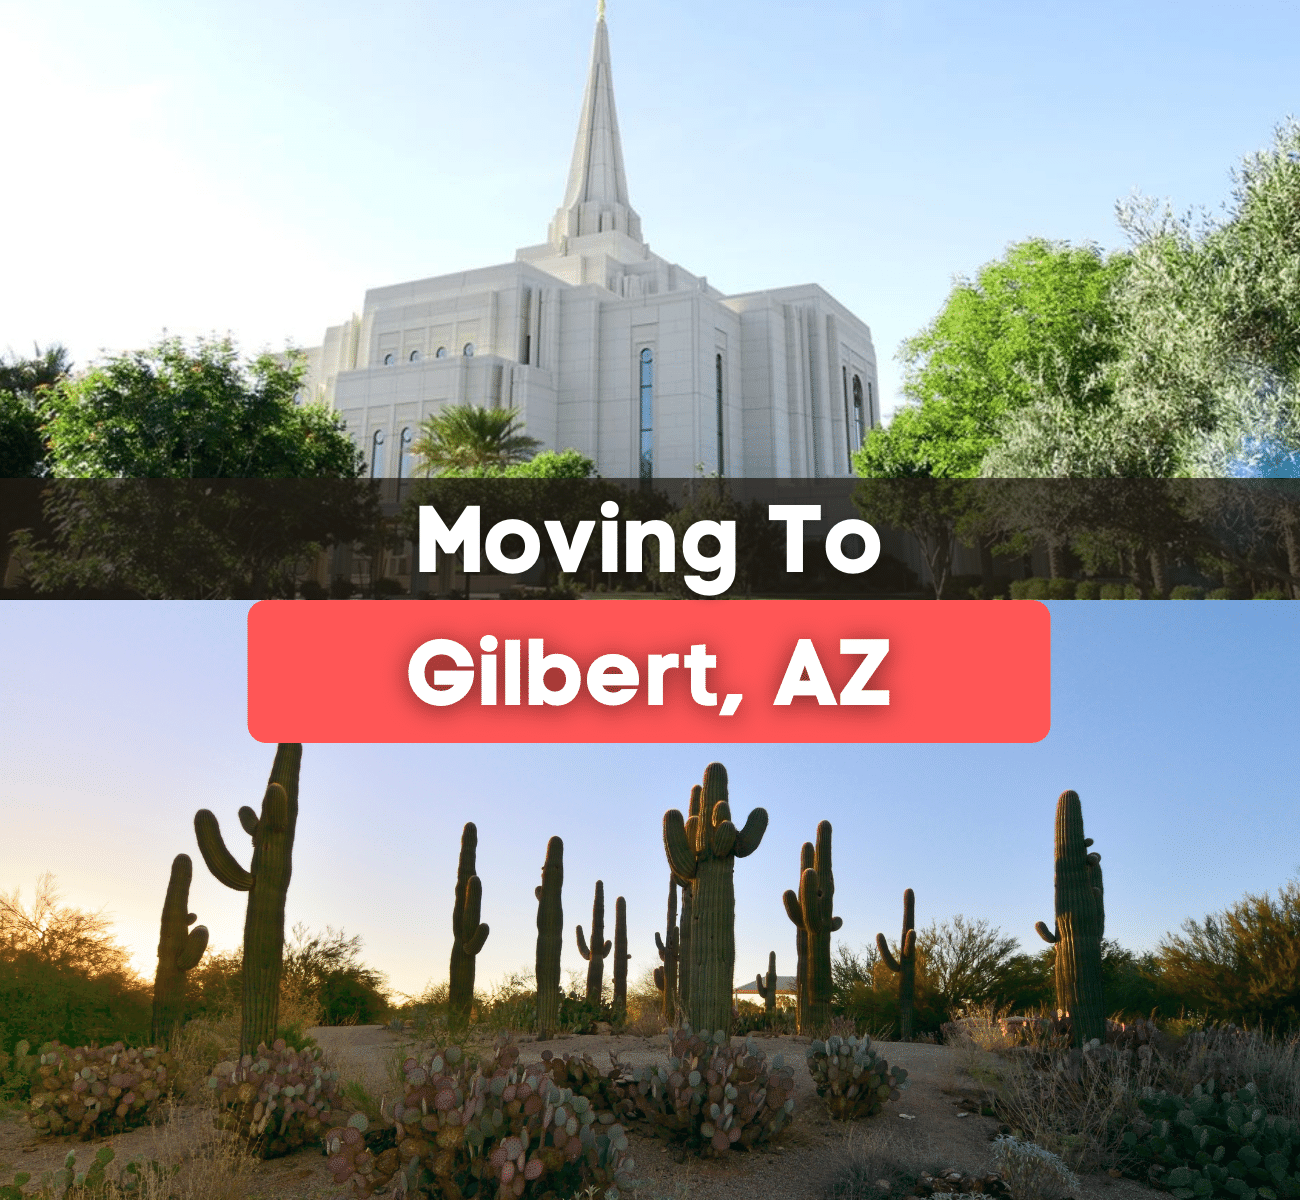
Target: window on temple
858,426
377,454
647,413
718,369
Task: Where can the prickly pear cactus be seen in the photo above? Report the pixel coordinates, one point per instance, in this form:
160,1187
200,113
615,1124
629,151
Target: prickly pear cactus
666,975
1080,924
703,850
714,1096
768,992
905,966
550,939
598,951
179,949
812,911
852,1079
277,1100
86,1091
620,959
467,933
267,883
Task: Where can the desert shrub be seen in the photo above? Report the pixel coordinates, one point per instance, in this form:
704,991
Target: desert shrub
874,1162
89,1092
714,1095
462,1131
276,1101
1229,1059
17,1070
749,1017
1031,1172
851,1078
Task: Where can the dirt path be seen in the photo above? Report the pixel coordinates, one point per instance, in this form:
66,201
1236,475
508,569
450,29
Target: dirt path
928,1127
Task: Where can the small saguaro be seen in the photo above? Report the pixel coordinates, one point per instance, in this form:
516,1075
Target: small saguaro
467,933
1080,924
598,951
267,883
666,975
620,959
905,966
703,851
179,949
550,938
801,947
813,909
768,992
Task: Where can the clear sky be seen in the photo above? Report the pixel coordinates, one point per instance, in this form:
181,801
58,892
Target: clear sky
254,166
119,720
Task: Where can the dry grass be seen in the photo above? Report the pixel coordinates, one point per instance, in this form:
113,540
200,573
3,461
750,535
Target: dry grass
875,1162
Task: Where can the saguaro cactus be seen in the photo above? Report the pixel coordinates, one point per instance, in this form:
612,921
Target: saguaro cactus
812,909
266,881
550,939
769,992
467,933
905,967
801,947
598,951
1080,924
620,958
666,976
179,949
704,850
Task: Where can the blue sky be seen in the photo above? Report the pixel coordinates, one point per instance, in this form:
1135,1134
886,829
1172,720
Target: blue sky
254,166
119,720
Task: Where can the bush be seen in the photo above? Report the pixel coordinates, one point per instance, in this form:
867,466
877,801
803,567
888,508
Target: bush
1061,589
88,1092
1031,1172
1034,588
713,1095
852,1080
1087,589
278,1100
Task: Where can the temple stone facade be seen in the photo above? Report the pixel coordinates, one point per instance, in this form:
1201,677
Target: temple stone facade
605,347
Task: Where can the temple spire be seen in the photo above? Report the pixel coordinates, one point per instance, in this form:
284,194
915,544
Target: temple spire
595,200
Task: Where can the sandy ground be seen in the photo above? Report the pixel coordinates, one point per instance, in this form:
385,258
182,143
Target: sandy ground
929,1125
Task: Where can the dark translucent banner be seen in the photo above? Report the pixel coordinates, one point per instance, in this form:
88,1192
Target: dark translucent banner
554,539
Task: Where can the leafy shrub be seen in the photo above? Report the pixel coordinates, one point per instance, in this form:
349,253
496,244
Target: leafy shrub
1031,1172
277,1100
714,1095
1061,589
1034,588
90,1092
17,1070
1216,1145
1087,589
1185,591
463,1131
851,1078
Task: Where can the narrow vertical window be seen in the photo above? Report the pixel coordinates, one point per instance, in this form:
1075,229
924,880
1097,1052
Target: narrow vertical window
848,424
647,413
404,454
857,409
717,363
377,455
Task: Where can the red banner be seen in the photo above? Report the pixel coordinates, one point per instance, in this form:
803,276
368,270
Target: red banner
684,671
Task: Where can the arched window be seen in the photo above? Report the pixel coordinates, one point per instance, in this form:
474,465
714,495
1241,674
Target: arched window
388,360
857,409
647,413
414,356
721,460
404,454
469,350
377,455
441,353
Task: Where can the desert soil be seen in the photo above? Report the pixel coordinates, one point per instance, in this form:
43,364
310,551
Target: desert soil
931,1125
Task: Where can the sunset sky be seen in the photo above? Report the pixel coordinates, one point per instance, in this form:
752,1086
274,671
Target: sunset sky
119,720
254,166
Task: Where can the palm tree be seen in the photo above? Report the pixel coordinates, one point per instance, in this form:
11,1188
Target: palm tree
466,439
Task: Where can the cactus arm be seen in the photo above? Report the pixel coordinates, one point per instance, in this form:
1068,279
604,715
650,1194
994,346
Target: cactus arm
220,861
792,909
659,978
196,942
889,960
909,944
248,819
678,848
1046,934
537,891
723,840
659,944
837,923
808,905
582,945
748,838
275,810
605,951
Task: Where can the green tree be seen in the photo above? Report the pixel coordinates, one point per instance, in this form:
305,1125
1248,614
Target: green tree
464,439
202,412
1039,319
22,380
964,959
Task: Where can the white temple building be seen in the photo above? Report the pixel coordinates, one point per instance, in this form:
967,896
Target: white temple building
605,347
